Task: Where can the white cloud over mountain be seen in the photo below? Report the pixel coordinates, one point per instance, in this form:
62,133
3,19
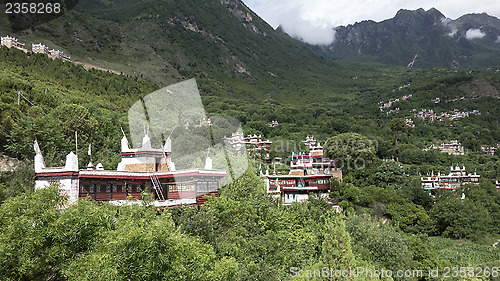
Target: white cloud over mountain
474,34
313,20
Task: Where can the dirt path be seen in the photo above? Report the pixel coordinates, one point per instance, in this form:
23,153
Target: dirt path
89,66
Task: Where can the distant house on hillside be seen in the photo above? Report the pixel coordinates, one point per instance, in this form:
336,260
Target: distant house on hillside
11,42
454,179
452,148
490,150
273,124
39,48
56,54
252,143
309,173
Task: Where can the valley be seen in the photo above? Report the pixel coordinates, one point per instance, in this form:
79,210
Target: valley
358,98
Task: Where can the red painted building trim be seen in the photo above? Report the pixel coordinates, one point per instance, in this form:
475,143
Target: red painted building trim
55,174
284,177
306,156
158,153
301,189
146,176
118,176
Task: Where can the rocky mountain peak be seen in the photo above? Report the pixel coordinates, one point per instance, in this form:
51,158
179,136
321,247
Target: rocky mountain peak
438,41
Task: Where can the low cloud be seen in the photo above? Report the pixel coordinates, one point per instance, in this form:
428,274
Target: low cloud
450,26
314,32
314,35
474,34
314,21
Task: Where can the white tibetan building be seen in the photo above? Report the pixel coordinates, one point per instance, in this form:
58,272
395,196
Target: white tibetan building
142,168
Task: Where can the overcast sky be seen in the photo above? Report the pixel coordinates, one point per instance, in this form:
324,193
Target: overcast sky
313,20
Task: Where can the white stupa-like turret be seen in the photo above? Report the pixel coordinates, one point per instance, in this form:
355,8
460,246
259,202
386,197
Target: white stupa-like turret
208,163
39,161
168,145
146,143
71,162
125,146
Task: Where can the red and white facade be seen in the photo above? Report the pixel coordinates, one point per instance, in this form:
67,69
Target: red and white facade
454,179
452,148
140,169
39,48
296,188
11,42
56,54
309,173
253,143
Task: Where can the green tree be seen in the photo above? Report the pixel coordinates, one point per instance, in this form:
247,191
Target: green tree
73,117
351,151
20,139
379,243
457,218
144,246
37,238
469,140
411,217
397,125
21,180
389,173
336,250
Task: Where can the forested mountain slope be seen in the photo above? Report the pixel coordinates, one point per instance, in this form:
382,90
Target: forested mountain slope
226,45
472,40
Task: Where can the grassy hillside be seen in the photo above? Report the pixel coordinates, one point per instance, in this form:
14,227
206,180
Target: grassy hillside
104,99
235,53
60,98
247,70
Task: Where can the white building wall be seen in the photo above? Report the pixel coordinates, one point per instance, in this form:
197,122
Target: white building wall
138,160
68,187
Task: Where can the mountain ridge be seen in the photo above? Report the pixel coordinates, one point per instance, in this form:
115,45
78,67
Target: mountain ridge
471,41
236,54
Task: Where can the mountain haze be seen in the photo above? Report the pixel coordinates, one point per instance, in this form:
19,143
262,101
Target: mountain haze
472,40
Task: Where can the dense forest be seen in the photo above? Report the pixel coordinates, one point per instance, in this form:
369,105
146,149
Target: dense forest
242,235
388,221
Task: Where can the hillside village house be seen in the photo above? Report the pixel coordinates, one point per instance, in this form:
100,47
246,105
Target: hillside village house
11,42
452,148
253,143
55,54
143,168
451,181
309,173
